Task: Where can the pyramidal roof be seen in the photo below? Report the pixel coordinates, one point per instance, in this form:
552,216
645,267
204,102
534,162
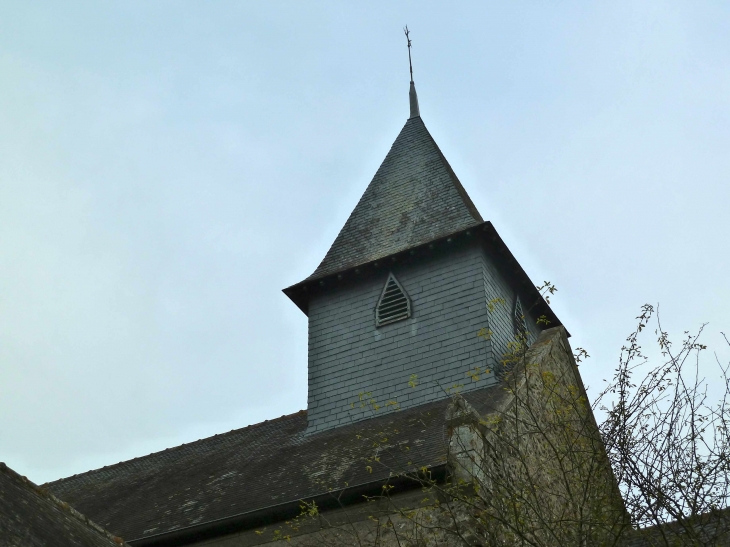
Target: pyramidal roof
413,198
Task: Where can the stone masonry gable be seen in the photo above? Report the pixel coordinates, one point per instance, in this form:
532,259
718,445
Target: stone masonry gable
413,198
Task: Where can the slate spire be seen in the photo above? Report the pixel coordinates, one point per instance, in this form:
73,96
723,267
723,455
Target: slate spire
414,198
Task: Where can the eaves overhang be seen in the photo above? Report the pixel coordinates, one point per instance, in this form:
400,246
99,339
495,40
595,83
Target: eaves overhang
281,512
301,292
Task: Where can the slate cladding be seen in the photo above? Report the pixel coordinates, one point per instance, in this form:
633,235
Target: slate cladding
31,517
355,365
269,464
500,298
413,198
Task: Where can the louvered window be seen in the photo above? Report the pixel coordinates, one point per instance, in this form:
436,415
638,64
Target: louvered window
393,304
520,323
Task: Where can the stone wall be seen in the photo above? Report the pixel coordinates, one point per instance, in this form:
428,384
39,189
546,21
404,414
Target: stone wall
544,460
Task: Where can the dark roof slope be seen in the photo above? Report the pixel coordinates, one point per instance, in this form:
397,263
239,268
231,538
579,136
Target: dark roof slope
256,467
414,198
31,517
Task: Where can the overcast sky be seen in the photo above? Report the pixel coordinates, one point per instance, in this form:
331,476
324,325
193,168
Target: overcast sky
166,168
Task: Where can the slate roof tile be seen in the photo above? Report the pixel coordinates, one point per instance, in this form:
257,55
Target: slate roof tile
255,467
31,517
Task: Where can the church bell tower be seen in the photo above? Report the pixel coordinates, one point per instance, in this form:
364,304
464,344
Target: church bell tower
416,297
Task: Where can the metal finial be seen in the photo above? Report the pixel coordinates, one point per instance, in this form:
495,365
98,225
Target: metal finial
410,64
412,97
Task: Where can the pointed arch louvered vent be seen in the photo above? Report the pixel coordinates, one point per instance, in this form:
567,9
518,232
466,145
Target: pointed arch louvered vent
520,323
393,305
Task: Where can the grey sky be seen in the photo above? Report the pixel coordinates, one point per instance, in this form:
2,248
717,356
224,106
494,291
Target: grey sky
166,168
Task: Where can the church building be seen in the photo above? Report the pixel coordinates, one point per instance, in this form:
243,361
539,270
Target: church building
418,298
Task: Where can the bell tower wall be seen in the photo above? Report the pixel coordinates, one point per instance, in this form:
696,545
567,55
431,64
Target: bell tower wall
358,370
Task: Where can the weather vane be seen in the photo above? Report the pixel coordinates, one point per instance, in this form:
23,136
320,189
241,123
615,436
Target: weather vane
410,64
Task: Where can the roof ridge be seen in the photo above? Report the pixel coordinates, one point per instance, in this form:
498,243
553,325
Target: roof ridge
169,450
